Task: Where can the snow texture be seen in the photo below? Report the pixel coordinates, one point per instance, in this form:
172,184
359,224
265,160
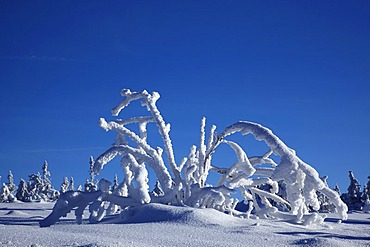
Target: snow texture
163,225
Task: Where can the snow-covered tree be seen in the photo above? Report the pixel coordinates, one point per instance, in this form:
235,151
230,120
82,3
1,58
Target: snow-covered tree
157,191
22,192
38,188
366,191
45,174
48,193
6,195
353,196
91,170
64,187
336,189
90,184
35,187
71,184
11,186
366,196
187,182
115,182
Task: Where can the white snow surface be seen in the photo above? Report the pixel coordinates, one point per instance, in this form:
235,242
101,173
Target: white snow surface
162,225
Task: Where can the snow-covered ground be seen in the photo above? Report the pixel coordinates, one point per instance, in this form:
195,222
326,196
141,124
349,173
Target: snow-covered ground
161,225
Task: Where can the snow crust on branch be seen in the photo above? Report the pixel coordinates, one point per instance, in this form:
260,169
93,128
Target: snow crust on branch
149,100
123,150
301,179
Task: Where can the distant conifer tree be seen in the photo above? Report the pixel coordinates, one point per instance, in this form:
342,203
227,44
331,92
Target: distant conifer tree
11,186
353,196
22,192
65,185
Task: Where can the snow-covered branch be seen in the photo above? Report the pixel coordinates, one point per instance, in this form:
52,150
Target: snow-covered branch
149,100
161,171
297,175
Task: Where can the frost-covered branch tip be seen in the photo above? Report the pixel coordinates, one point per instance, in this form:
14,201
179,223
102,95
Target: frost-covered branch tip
129,96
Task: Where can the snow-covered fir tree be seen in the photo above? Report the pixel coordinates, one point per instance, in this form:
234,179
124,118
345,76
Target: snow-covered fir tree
366,196
115,183
64,187
90,184
47,190
71,184
366,191
157,191
6,195
336,189
45,175
35,187
91,170
353,195
11,186
22,192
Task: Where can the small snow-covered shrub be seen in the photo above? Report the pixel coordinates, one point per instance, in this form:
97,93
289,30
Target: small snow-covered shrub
6,195
8,190
186,183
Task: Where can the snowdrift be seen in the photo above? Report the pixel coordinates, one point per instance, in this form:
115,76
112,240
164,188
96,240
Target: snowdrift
162,225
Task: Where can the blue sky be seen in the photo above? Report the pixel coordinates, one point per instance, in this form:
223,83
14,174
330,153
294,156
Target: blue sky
300,68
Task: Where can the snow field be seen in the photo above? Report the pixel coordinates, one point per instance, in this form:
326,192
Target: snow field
162,225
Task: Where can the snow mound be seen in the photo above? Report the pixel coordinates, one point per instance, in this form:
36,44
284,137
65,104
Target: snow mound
16,213
154,212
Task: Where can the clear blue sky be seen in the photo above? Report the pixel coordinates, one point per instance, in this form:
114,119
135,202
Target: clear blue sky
301,68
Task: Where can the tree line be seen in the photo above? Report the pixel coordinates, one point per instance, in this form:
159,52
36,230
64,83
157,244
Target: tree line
39,188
